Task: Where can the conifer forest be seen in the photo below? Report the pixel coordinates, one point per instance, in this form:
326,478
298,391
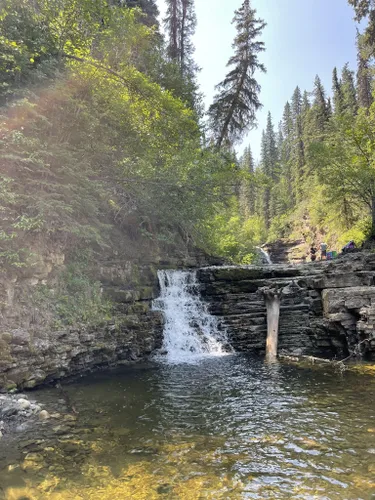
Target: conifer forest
103,123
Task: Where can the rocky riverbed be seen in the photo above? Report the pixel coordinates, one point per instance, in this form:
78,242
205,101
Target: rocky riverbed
18,410
29,431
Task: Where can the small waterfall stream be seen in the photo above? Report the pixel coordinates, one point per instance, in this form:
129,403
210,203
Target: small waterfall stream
190,331
265,256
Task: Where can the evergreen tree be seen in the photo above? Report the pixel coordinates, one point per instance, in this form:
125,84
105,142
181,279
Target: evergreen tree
180,23
247,192
319,108
285,147
298,154
363,9
296,103
272,152
269,159
280,138
187,30
287,121
364,80
305,103
247,161
349,94
237,101
265,168
329,107
306,114
337,93
173,26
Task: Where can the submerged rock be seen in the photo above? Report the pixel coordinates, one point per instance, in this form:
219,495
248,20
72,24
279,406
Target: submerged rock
44,415
23,404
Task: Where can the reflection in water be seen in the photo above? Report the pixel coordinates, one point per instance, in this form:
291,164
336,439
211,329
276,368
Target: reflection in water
231,427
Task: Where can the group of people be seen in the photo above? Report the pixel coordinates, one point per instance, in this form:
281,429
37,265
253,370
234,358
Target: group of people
323,252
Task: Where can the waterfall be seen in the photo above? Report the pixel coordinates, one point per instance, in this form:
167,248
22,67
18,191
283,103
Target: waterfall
265,255
190,331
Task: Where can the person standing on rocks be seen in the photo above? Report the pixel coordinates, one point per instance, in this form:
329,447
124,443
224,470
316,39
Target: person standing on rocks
313,254
323,251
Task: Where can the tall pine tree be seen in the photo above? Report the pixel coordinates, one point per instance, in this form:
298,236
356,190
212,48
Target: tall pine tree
349,94
337,93
320,112
248,190
298,153
305,103
364,79
180,23
172,23
187,30
269,159
363,9
237,101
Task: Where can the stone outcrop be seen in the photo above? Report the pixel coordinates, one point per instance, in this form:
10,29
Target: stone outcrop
32,352
287,251
35,349
328,309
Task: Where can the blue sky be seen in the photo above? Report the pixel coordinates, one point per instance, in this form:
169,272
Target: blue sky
303,38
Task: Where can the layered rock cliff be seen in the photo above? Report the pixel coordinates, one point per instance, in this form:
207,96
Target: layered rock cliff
327,310
62,316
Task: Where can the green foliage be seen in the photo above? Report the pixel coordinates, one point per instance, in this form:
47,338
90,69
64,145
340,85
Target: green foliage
233,237
345,161
318,176
92,137
75,299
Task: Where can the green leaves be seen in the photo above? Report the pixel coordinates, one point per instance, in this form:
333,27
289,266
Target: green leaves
345,162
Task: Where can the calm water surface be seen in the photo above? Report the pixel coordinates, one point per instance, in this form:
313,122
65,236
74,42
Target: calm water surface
227,427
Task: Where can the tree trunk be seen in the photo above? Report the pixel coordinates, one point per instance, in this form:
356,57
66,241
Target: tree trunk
182,37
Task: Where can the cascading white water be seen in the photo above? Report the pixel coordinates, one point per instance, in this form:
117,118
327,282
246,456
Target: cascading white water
265,255
190,331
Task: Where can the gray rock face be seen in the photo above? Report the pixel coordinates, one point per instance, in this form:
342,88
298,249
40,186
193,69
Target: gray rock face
33,352
326,308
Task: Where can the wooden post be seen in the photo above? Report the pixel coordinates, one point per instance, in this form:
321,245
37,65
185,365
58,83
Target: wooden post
272,300
273,314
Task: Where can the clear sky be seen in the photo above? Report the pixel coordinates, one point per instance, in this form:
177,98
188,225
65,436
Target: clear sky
303,38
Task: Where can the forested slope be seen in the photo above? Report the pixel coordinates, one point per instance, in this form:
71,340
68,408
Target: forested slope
98,129
103,127
316,180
